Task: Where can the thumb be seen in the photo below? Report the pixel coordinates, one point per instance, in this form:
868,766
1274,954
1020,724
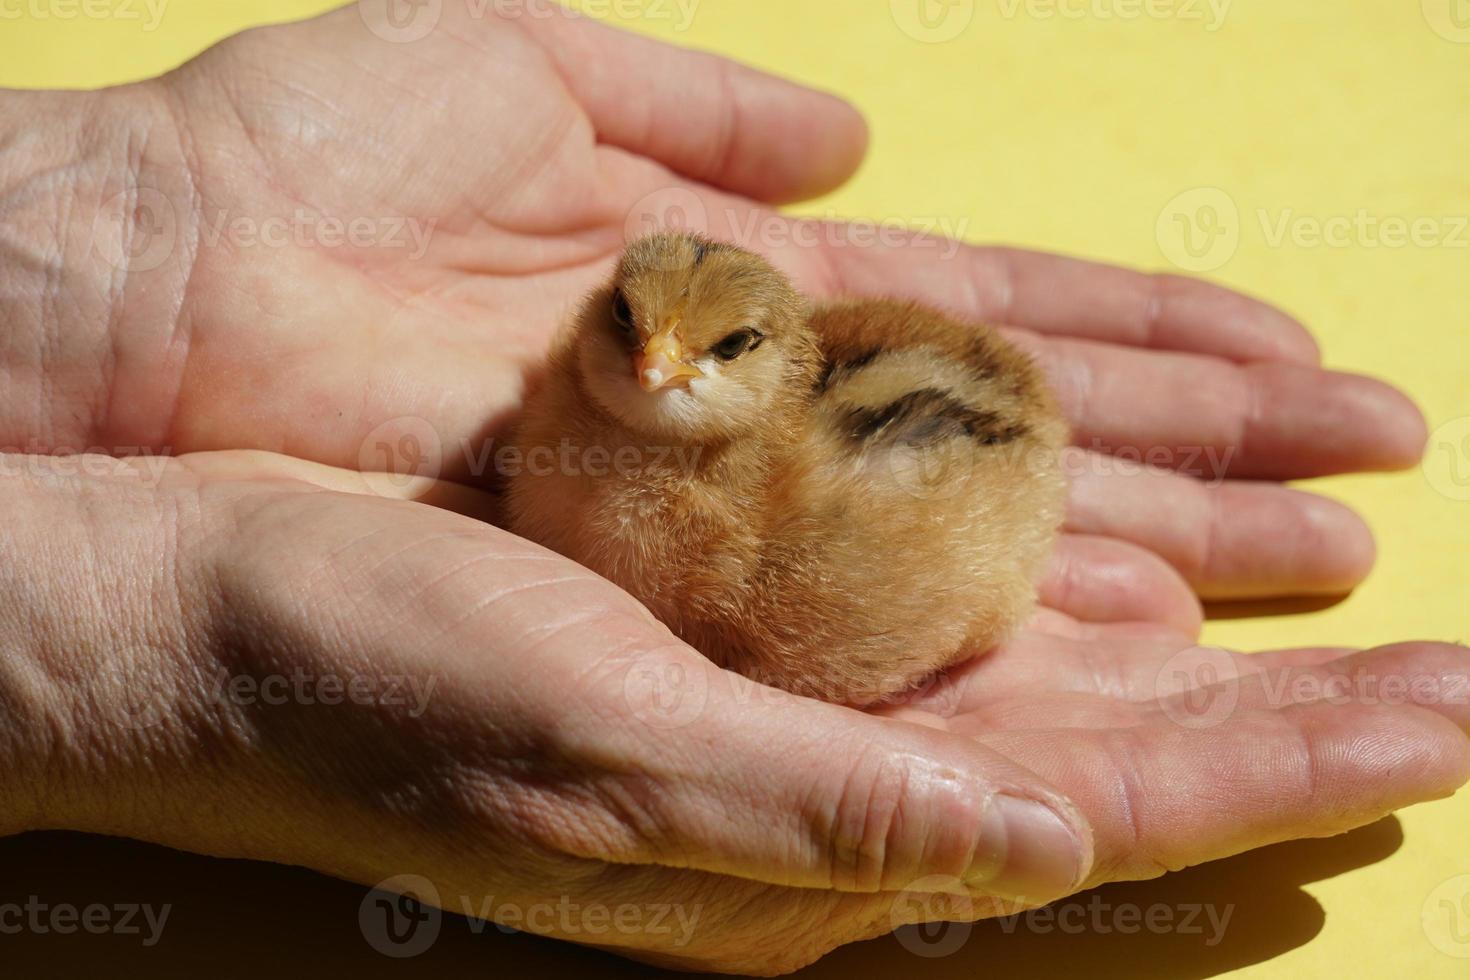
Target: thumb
686,765
745,780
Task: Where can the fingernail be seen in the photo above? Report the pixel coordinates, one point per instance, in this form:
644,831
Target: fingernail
1028,852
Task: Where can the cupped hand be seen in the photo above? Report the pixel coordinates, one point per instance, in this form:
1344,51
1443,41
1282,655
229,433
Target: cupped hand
310,671
355,250
568,746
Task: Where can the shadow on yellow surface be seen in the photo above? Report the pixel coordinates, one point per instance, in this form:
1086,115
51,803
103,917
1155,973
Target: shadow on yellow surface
1051,127
1208,920
245,919
1261,608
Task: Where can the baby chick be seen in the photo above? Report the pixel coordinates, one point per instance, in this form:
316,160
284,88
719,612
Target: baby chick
838,502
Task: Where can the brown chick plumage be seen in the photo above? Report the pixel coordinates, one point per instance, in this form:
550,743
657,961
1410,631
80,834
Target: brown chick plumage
863,494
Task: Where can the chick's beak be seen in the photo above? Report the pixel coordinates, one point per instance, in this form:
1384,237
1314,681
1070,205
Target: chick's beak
661,365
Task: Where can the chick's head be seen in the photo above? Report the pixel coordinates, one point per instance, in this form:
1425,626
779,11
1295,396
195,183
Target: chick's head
695,340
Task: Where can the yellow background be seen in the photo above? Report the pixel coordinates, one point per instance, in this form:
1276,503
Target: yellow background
1071,126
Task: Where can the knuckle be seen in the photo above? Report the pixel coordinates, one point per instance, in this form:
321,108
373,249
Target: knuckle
899,818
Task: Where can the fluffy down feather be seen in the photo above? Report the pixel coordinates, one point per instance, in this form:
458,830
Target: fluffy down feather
863,495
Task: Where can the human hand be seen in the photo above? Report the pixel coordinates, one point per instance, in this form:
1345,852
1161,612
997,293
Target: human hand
309,349
252,656
500,163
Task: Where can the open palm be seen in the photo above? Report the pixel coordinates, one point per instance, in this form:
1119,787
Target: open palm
493,170
561,745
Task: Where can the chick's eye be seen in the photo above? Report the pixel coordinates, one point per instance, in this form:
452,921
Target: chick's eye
735,344
622,312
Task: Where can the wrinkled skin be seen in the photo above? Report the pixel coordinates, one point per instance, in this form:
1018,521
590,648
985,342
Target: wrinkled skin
541,763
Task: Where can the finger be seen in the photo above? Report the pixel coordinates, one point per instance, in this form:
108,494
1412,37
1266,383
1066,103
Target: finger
258,466
701,115
856,803
1271,680
1163,797
1203,415
664,758
1061,296
1230,540
1045,714
1098,579
814,795
1433,676
1123,661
